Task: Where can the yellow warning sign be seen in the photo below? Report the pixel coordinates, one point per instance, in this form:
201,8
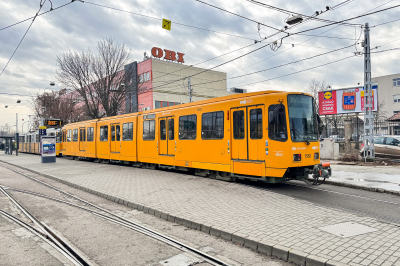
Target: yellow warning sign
166,24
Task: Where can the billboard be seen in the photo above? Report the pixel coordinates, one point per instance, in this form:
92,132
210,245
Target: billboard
342,101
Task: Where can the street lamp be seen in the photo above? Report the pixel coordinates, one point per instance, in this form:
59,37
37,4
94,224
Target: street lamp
23,126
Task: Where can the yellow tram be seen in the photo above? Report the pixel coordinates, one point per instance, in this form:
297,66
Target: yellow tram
270,136
30,142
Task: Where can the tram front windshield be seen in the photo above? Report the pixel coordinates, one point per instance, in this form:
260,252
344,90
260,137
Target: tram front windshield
302,118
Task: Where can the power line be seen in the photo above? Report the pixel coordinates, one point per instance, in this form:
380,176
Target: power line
238,15
290,63
14,94
37,15
178,23
314,17
296,33
41,5
386,50
312,37
294,62
385,23
364,15
298,71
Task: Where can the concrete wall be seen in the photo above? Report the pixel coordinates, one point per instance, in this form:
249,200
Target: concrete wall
329,149
165,72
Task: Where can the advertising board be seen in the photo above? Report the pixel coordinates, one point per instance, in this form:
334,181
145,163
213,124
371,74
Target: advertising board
342,101
48,149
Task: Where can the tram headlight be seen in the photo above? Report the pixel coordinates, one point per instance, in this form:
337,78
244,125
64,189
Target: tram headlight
316,156
296,157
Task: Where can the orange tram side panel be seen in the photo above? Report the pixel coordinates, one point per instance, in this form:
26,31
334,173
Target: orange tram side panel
227,137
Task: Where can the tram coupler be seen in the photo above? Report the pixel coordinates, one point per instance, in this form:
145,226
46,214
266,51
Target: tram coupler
322,171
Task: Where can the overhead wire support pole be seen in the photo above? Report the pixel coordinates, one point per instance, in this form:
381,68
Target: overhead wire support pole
369,151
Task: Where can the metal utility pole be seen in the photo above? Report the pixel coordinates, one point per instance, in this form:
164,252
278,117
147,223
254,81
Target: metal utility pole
369,151
190,91
16,135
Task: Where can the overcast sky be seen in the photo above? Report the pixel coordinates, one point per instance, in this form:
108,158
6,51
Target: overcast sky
78,26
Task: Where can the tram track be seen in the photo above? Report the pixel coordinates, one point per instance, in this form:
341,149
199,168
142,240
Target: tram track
114,218
45,233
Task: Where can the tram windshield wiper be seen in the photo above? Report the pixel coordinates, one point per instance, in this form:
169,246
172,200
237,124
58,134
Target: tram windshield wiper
301,136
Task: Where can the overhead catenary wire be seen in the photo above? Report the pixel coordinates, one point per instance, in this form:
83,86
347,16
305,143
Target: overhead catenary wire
308,39
282,65
53,9
33,20
292,34
298,71
314,17
377,25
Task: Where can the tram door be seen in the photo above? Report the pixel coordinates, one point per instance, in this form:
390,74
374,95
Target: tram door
115,138
247,132
82,139
167,136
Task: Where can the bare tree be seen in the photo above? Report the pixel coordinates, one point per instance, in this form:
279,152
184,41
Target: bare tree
380,113
5,130
100,80
57,105
335,121
315,87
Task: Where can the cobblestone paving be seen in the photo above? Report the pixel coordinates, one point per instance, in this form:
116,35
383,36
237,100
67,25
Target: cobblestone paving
251,213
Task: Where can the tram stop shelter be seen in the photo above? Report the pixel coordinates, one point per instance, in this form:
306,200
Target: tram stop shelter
9,144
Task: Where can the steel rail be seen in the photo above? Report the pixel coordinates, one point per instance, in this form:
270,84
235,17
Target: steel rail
134,226
40,235
47,232
209,258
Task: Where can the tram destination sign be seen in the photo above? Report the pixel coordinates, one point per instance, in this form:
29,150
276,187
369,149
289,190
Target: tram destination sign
344,101
54,122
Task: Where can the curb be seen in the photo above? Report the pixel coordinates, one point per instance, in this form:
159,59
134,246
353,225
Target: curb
260,246
379,190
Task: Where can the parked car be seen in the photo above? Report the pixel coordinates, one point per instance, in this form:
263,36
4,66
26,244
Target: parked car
385,146
336,138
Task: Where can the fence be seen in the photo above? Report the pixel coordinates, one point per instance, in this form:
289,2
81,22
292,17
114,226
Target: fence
335,126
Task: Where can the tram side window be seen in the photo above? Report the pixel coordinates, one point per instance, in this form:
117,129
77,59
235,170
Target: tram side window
163,130
149,130
171,134
212,125
104,133
69,137
238,124
256,123
75,135
90,134
127,131
277,122
187,127
82,134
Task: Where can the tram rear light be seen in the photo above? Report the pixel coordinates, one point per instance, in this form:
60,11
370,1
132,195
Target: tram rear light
316,156
227,115
296,157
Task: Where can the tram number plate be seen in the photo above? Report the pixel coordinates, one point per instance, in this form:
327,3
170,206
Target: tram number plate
308,155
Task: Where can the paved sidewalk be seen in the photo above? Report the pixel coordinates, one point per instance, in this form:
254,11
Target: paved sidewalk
258,218
377,178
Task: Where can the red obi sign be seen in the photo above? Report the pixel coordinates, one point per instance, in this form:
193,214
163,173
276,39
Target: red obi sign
169,55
